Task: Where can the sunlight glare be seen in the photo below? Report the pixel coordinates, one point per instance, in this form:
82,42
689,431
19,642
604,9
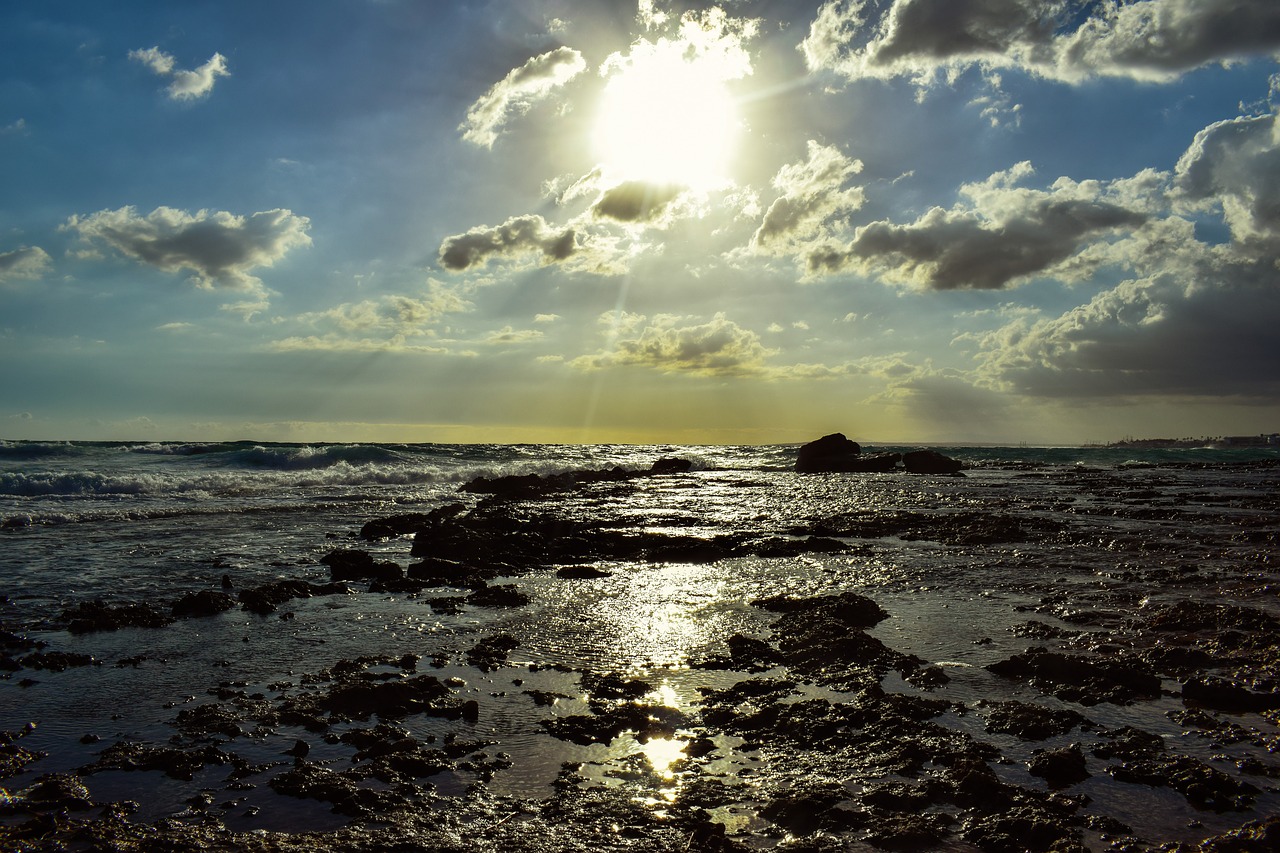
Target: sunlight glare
666,120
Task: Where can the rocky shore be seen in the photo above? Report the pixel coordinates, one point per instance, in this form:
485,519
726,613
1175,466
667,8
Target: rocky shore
811,733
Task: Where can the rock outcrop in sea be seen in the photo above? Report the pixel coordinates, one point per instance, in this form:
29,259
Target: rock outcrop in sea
837,454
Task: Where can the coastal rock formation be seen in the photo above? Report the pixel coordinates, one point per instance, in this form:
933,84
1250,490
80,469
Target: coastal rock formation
930,462
830,453
836,454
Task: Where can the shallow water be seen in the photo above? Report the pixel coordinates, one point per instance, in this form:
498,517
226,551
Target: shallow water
1109,536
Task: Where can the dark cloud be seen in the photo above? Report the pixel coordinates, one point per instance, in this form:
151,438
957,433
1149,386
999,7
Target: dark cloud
220,248
636,201
941,29
519,235
1070,41
23,262
953,249
1208,331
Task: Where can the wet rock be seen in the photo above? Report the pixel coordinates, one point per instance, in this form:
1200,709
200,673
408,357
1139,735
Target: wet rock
1224,696
848,608
491,652
176,763
203,603
13,755
1024,828
828,453
1204,616
210,719
1060,767
58,791
1080,679
746,654
1257,837
1031,722
264,599
389,700
356,565
502,595
582,573
408,523
57,661
1204,787
813,808
308,781
930,462
97,615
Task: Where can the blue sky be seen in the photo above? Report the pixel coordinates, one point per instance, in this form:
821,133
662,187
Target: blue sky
744,222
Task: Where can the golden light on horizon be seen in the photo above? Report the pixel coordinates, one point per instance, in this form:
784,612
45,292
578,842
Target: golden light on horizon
666,120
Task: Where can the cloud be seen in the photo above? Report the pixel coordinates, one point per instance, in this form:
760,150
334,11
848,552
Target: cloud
23,262
716,348
219,248
516,93
184,85
394,314
1235,165
1072,41
546,318
508,336
636,201
1003,235
1205,332
19,126
518,236
814,197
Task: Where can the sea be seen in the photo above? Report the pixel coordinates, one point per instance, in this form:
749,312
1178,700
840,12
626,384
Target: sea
151,521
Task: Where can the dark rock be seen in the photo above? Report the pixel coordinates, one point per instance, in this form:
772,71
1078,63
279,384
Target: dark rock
1060,767
829,453
56,661
1080,679
503,595
266,598
491,652
94,616
582,573
1031,722
409,523
299,749
389,699
930,462
1202,785
307,781
354,565
1225,696
210,719
203,603
670,465
849,608
60,791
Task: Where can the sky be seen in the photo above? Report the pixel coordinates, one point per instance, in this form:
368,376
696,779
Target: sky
930,221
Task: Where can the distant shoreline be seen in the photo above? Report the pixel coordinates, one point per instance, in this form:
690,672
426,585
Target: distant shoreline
1260,440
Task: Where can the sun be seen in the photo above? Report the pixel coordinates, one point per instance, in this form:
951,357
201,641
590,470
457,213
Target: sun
667,120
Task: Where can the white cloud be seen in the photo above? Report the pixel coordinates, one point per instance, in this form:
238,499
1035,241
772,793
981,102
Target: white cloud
516,93
815,198
184,84
219,248
546,318
23,262
1235,165
719,347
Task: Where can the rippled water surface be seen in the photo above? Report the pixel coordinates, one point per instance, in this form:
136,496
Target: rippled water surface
1104,538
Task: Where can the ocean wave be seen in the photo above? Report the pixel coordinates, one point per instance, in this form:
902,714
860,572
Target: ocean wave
22,450
300,457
